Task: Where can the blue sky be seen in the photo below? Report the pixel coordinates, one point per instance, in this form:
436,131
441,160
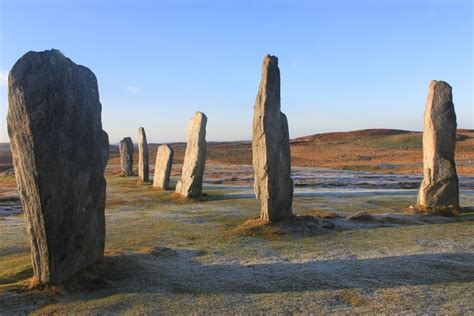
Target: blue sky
345,65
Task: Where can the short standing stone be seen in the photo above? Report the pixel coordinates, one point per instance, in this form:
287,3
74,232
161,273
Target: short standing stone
143,172
126,156
190,184
59,155
440,181
271,147
164,161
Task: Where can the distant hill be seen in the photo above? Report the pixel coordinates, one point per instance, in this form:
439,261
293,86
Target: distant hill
376,150
367,133
352,135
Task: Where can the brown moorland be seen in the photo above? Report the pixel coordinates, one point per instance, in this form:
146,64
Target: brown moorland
375,150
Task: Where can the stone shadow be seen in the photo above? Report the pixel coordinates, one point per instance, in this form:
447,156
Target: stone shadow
178,271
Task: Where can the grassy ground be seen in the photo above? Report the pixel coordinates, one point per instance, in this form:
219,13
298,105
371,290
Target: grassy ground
212,256
173,256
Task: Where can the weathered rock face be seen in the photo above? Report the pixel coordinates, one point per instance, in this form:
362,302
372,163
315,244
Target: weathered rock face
143,172
271,147
164,161
59,155
190,184
105,148
440,181
126,156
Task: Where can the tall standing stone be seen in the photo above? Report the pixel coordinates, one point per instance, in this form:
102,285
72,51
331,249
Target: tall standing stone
126,156
164,161
271,147
59,155
190,184
440,186
142,155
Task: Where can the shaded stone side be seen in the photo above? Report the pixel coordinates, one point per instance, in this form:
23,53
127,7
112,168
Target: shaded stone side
163,164
190,184
440,181
59,154
143,167
271,147
126,156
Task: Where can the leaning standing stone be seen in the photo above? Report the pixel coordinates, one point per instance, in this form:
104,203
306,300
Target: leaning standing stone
142,155
59,155
271,147
190,184
126,156
440,181
164,161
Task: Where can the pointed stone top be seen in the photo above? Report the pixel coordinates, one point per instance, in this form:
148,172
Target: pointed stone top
270,58
439,83
440,97
269,63
198,113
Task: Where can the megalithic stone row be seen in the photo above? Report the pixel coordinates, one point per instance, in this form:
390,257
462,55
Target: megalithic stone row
126,156
271,147
190,184
59,155
440,186
163,164
143,168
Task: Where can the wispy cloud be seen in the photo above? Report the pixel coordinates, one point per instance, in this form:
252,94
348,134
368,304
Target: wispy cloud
134,90
3,78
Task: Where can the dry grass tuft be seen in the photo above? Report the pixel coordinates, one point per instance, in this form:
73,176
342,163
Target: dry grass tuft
258,227
298,225
325,214
449,210
175,197
353,298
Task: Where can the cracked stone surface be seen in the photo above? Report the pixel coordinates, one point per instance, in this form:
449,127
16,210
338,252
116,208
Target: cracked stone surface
190,184
59,154
440,186
271,147
163,164
143,168
126,156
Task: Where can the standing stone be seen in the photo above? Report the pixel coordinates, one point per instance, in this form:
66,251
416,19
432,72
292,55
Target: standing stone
142,155
105,148
271,147
164,161
190,184
59,155
440,181
126,156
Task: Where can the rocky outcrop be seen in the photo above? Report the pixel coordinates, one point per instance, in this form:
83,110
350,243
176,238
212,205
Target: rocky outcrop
440,181
126,156
163,164
190,184
59,155
143,168
271,147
